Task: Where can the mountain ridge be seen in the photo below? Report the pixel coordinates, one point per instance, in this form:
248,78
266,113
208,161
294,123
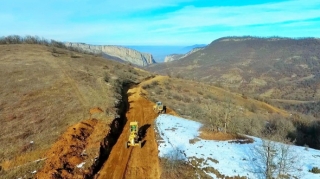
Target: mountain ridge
173,57
275,67
117,52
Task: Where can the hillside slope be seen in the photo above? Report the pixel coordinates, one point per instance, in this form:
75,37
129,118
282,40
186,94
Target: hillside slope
49,93
180,141
270,67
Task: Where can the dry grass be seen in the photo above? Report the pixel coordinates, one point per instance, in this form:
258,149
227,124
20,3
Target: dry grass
213,106
44,91
200,101
280,69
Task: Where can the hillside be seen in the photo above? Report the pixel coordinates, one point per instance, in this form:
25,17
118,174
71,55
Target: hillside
279,68
181,142
49,93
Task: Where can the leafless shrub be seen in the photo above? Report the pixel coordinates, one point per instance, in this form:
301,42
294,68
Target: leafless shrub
186,99
200,92
173,159
146,86
177,97
278,128
107,77
251,107
250,126
158,90
210,96
154,83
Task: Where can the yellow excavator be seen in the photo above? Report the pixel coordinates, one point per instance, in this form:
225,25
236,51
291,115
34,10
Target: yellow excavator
134,139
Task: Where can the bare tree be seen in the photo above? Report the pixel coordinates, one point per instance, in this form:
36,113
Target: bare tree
214,121
228,113
221,118
287,161
274,160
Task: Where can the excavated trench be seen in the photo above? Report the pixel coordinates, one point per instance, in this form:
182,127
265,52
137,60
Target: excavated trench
116,128
135,162
114,160
68,152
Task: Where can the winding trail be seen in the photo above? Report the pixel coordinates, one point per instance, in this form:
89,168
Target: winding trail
135,162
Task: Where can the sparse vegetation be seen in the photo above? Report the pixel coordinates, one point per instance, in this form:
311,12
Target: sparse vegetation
277,68
54,88
43,94
217,109
315,170
15,39
174,166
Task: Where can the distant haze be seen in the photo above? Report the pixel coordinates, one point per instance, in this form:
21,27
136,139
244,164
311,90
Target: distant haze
160,52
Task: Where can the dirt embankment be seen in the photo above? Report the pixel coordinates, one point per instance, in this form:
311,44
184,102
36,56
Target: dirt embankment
68,152
79,152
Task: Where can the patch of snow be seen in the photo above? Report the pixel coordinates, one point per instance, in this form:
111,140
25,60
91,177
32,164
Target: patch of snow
80,165
230,159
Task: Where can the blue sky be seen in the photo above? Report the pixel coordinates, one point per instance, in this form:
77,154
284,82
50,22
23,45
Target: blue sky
158,22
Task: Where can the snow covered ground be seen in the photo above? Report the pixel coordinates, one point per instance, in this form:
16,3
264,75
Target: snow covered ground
179,140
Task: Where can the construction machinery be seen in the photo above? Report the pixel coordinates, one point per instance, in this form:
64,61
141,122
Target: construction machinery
159,107
134,139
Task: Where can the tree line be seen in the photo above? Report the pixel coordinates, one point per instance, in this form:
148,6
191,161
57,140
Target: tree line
16,39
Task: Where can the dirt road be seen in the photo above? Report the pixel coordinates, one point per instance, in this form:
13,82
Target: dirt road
135,162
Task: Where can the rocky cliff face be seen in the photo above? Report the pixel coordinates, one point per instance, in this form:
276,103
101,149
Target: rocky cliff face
118,52
173,57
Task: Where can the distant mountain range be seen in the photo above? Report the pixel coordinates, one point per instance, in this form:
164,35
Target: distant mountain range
160,52
274,67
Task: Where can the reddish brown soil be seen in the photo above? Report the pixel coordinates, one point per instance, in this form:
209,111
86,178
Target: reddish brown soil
135,162
65,154
122,162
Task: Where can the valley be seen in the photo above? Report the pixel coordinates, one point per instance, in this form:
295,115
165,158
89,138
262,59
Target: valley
170,89
66,114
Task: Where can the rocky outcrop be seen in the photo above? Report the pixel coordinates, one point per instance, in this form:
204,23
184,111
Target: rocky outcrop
173,57
118,52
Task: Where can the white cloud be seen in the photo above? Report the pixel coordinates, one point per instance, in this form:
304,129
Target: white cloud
187,25
244,15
